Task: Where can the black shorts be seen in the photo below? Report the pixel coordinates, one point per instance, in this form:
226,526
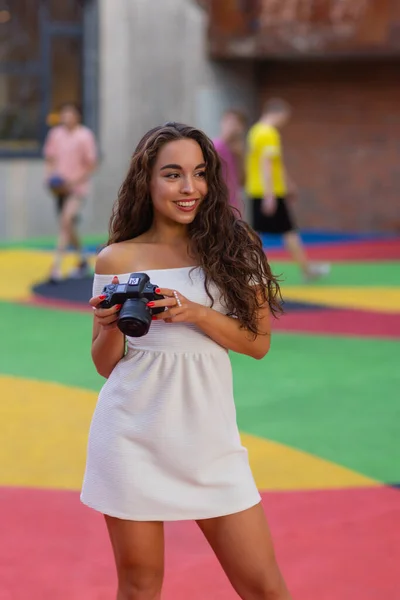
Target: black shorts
278,223
60,200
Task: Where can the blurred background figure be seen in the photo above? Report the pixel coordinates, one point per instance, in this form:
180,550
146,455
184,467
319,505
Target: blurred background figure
70,154
270,187
230,146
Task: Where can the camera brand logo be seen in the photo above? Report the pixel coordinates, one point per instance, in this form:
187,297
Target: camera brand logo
133,281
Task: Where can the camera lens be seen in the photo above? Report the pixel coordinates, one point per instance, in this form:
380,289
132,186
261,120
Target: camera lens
134,318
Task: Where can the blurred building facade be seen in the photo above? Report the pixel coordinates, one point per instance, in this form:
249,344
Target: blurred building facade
132,64
337,63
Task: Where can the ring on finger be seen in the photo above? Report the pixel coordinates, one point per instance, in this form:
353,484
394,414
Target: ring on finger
178,302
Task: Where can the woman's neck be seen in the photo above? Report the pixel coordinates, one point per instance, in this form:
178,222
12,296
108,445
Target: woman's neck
173,234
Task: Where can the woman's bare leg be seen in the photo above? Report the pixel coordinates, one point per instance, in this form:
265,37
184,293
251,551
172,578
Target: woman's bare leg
296,248
311,270
66,229
243,545
139,557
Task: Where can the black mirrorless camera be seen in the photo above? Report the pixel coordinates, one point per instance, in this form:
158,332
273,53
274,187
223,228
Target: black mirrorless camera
135,316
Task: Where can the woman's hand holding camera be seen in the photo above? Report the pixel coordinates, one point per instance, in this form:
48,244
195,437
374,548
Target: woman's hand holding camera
106,317
179,308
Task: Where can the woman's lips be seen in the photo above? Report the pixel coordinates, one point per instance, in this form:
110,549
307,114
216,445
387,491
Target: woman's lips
187,205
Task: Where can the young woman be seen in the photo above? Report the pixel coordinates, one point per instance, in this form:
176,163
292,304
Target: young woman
164,443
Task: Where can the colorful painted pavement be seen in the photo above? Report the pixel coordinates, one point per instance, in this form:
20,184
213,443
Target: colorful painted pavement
319,415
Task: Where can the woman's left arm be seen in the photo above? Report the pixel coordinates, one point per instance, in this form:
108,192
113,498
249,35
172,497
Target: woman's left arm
223,329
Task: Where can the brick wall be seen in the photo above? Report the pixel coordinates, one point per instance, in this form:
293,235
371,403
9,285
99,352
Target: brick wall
342,145
299,28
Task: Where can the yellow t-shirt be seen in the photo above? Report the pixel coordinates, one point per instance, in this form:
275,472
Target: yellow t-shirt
264,140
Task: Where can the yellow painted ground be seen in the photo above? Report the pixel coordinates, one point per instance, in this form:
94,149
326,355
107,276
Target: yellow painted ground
22,269
379,299
44,428
279,467
43,432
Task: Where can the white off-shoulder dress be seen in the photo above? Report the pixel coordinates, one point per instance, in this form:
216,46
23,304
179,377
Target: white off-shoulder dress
164,443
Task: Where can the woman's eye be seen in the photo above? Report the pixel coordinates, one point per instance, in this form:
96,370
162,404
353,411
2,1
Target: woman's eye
172,176
201,174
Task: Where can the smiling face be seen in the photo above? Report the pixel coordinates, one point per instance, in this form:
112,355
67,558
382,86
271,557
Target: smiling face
178,181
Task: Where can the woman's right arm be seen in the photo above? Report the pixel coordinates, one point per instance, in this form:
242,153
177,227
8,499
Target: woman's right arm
108,342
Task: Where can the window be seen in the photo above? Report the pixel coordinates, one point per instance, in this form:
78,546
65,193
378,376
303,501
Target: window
19,112
19,31
66,70
65,10
41,58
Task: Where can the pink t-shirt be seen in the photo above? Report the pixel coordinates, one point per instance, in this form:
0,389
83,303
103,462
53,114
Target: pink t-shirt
72,153
230,172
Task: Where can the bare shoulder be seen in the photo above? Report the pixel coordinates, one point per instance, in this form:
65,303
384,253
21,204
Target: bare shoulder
117,258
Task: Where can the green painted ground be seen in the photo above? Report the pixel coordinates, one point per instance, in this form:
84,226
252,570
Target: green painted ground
334,397
383,273
48,242
48,345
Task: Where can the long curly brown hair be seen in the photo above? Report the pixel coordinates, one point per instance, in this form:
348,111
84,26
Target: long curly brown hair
225,247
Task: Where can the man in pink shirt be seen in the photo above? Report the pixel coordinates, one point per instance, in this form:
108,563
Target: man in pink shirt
231,149
71,155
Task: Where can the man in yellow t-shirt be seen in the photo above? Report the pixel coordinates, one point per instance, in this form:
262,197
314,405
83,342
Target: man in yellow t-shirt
269,186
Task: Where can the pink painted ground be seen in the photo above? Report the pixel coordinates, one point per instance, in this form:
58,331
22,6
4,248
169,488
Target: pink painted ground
371,250
340,322
336,545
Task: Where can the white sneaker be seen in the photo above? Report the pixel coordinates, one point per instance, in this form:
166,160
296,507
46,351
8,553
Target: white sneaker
55,276
316,271
81,271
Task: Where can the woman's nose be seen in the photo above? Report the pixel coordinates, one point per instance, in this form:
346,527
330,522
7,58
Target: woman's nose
187,185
